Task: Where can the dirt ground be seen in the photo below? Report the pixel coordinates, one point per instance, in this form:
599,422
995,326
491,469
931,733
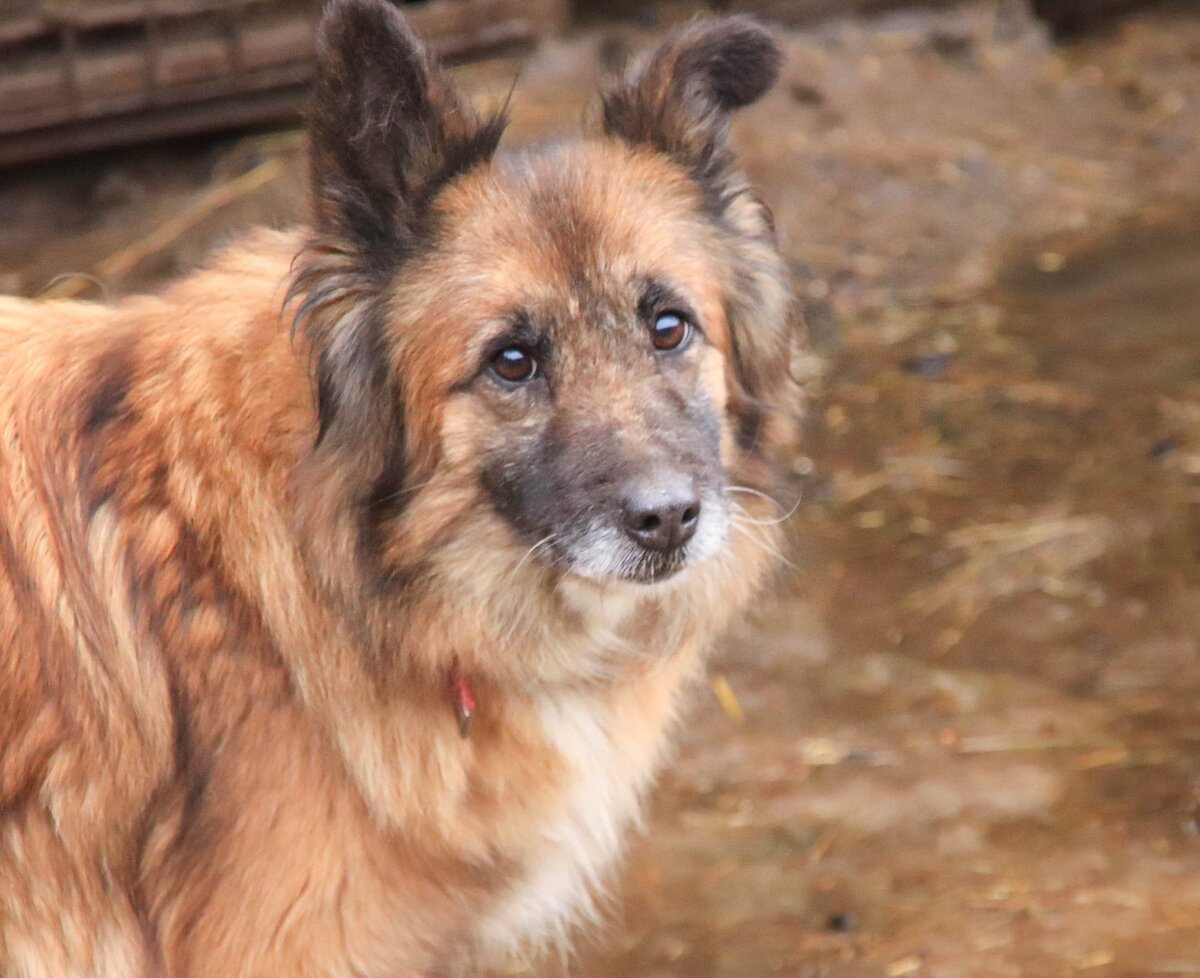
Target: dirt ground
963,737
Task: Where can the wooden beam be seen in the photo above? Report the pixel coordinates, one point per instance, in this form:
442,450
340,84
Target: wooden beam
188,73
1068,18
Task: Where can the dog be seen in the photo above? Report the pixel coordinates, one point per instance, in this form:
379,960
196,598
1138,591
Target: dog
349,586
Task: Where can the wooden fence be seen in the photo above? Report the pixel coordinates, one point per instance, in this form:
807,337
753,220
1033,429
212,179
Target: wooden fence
83,74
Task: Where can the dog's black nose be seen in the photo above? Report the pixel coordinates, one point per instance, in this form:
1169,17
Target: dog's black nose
661,515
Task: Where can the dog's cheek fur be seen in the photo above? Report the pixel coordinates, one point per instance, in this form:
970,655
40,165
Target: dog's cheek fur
444,494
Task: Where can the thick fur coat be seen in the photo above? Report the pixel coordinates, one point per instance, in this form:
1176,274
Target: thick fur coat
256,530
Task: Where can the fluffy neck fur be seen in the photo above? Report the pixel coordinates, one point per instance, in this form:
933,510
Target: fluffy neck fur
368,665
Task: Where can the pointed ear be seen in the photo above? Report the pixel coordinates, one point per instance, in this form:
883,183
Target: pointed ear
387,131
679,98
678,101
387,128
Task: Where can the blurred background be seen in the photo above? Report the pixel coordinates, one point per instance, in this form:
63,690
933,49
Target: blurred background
962,737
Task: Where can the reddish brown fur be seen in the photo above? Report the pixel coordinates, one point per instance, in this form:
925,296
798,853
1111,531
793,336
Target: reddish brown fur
226,742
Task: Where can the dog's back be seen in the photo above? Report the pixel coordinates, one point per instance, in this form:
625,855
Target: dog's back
94,461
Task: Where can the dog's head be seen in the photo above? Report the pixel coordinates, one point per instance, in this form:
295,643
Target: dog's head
566,357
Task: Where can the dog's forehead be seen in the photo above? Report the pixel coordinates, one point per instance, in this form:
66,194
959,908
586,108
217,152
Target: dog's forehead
589,218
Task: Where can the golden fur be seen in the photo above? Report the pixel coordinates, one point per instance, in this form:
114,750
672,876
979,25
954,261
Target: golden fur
226,742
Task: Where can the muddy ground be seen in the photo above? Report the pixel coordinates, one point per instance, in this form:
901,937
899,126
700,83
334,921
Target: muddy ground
963,737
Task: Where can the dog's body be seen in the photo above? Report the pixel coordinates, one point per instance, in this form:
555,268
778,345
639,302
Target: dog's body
248,575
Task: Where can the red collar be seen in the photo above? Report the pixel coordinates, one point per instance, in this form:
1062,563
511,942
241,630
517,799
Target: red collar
462,698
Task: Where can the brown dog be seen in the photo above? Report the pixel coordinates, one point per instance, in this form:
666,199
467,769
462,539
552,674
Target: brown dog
249,573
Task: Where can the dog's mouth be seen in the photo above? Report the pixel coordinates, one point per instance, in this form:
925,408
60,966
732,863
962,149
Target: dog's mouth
603,554
638,570
655,568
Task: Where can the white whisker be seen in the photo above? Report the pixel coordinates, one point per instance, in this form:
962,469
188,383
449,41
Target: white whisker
544,541
771,499
754,533
755,492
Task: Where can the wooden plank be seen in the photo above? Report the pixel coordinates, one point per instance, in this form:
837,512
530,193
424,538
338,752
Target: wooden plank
197,65
92,15
191,67
1068,18
250,85
21,28
40,18
277,106
36,21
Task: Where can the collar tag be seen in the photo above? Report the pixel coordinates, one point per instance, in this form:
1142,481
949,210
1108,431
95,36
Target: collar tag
464,701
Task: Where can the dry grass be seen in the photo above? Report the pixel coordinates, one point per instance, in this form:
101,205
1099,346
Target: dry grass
1003,560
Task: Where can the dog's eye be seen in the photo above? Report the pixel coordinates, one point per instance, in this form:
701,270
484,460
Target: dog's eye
671,331
515,365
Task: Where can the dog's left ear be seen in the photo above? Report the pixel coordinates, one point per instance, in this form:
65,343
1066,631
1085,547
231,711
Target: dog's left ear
388,131
678,99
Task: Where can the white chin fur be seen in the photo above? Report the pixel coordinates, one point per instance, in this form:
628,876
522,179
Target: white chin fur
604,555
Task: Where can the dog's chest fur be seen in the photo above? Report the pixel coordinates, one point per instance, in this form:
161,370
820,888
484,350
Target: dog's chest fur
610,748
531,844
558,777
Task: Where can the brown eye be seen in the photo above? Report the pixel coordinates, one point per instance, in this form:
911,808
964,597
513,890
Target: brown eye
515,365
670,331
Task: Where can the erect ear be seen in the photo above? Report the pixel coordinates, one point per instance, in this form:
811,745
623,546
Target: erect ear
387,128
387,132
678,99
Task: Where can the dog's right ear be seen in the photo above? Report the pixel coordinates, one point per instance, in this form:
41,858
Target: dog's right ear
387,129
678,98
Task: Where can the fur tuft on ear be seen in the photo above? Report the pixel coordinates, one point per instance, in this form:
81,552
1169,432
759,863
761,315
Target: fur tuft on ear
387,128
678,98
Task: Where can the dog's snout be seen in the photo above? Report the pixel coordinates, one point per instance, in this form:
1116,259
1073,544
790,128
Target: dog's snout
661,514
